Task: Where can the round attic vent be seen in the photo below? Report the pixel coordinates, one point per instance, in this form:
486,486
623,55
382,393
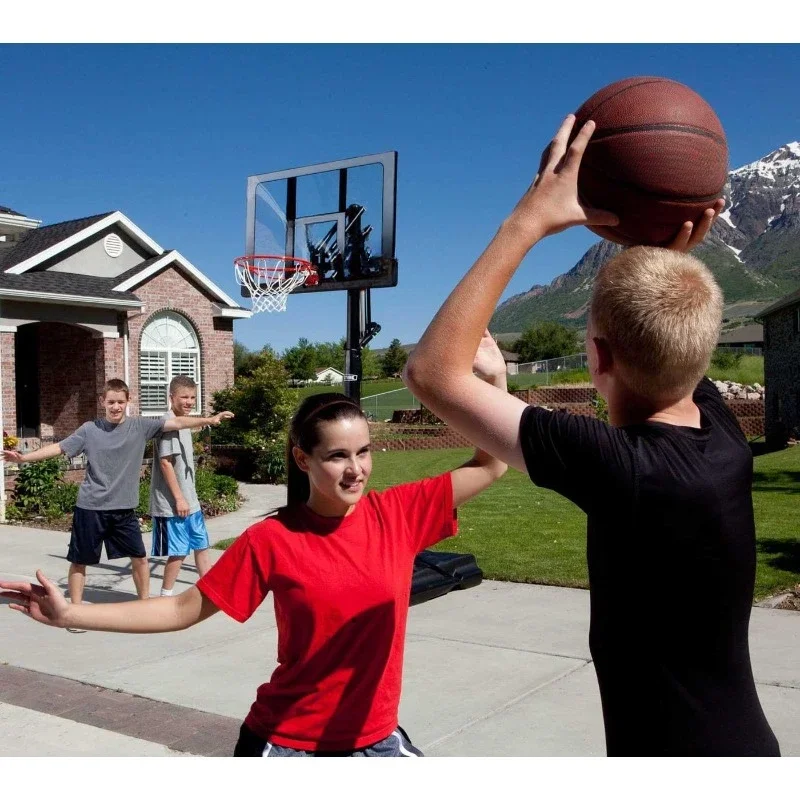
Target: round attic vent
113,245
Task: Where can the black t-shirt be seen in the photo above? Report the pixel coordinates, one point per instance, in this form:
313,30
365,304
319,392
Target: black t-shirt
671,555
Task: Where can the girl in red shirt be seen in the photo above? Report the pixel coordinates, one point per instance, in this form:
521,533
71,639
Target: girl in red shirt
339,564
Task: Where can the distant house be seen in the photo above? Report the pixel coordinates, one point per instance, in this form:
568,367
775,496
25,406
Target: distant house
782,369
749,338
90,299
329,375
512,360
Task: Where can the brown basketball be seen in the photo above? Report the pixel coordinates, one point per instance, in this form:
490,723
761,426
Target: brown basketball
658,157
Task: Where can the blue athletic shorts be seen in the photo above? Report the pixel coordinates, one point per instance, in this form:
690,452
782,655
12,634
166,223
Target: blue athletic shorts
177,536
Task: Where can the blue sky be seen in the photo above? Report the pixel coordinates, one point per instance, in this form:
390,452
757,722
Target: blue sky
169,134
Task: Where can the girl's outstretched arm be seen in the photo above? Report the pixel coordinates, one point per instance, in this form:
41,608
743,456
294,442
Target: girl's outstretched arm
45,603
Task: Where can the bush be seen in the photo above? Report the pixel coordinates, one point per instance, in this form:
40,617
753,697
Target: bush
36,484
726,358
62,499
269,457
570,376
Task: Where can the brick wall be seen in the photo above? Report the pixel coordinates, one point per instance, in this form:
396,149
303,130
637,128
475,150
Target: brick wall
170,290
68,385
574,400
782,376
9,421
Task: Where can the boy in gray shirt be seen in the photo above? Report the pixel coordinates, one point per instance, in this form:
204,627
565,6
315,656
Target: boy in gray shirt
178,524
105,511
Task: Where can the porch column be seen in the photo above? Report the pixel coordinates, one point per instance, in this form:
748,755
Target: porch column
9,381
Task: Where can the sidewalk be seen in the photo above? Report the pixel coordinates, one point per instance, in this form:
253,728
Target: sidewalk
501,669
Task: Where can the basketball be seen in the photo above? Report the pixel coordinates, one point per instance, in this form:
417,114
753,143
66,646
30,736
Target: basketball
658,157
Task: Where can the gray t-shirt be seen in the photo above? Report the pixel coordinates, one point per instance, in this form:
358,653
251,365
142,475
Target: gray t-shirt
177,444
114,455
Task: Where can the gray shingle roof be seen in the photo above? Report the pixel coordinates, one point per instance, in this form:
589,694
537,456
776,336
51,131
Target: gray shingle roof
66,283
39,239
7,210
788,300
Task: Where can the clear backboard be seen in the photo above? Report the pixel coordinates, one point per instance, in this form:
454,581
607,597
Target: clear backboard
339,215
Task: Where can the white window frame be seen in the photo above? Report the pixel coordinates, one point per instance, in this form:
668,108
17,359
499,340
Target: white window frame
169,351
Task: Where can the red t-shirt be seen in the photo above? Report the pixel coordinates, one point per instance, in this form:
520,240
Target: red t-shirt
341,588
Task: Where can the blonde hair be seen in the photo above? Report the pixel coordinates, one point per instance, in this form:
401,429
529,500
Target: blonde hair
660,312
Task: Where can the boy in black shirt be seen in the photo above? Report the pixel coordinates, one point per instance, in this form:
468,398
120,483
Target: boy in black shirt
666,486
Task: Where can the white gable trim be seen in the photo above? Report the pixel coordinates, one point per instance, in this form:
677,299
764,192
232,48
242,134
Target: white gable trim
231,313
67,299
174,257
19,222
116,217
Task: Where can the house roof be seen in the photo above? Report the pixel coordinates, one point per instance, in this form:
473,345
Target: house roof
7,210
508,356
41,244
332,369
788,300
37,240
64,284
747,333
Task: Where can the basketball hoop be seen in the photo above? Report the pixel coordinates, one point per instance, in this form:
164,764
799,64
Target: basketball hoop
269,279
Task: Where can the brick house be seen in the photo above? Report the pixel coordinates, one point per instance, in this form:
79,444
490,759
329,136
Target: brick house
90,299
782,369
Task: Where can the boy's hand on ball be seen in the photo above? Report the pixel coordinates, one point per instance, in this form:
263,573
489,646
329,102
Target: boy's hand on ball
551,204
692,234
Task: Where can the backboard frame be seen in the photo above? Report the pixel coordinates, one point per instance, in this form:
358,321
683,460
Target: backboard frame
388,160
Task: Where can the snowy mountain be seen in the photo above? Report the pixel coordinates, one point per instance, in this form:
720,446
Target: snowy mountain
753,249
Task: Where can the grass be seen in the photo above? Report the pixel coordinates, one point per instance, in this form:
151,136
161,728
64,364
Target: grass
368,388
749,370
519,532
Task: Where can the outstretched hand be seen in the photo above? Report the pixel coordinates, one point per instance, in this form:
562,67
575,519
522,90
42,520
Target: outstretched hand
692,234
44,602
217,418
13,456
551,204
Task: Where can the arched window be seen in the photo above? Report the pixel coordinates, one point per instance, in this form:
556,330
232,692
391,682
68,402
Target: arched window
169,347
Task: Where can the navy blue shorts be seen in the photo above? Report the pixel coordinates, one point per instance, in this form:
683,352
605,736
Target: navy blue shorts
118,529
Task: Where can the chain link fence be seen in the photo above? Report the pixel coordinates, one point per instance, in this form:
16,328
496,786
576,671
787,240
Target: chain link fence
551,370
380,407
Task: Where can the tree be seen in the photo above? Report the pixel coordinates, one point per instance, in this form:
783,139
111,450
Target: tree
245,361
300,361
394,359
370,363
547,340
262,403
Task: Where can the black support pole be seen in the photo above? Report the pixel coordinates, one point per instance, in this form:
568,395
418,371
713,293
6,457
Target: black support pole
352,360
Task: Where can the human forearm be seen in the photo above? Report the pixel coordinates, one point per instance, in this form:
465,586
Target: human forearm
168,471
50,451
179,423
155,615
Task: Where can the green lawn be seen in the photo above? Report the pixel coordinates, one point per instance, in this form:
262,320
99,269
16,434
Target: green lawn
368,388
750,370
519,532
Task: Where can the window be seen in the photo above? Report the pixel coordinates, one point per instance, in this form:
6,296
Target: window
169,347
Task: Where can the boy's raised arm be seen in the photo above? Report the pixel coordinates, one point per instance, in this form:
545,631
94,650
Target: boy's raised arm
49,451
178,423
439,370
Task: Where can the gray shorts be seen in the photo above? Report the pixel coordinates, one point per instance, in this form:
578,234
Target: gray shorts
396,744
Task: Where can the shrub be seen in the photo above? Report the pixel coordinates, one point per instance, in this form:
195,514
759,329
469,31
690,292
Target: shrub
269,457
726,358
36,483
62,499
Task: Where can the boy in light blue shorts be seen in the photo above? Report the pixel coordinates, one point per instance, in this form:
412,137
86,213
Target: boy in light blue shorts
178,524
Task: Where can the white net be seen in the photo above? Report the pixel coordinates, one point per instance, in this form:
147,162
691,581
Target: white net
270,279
